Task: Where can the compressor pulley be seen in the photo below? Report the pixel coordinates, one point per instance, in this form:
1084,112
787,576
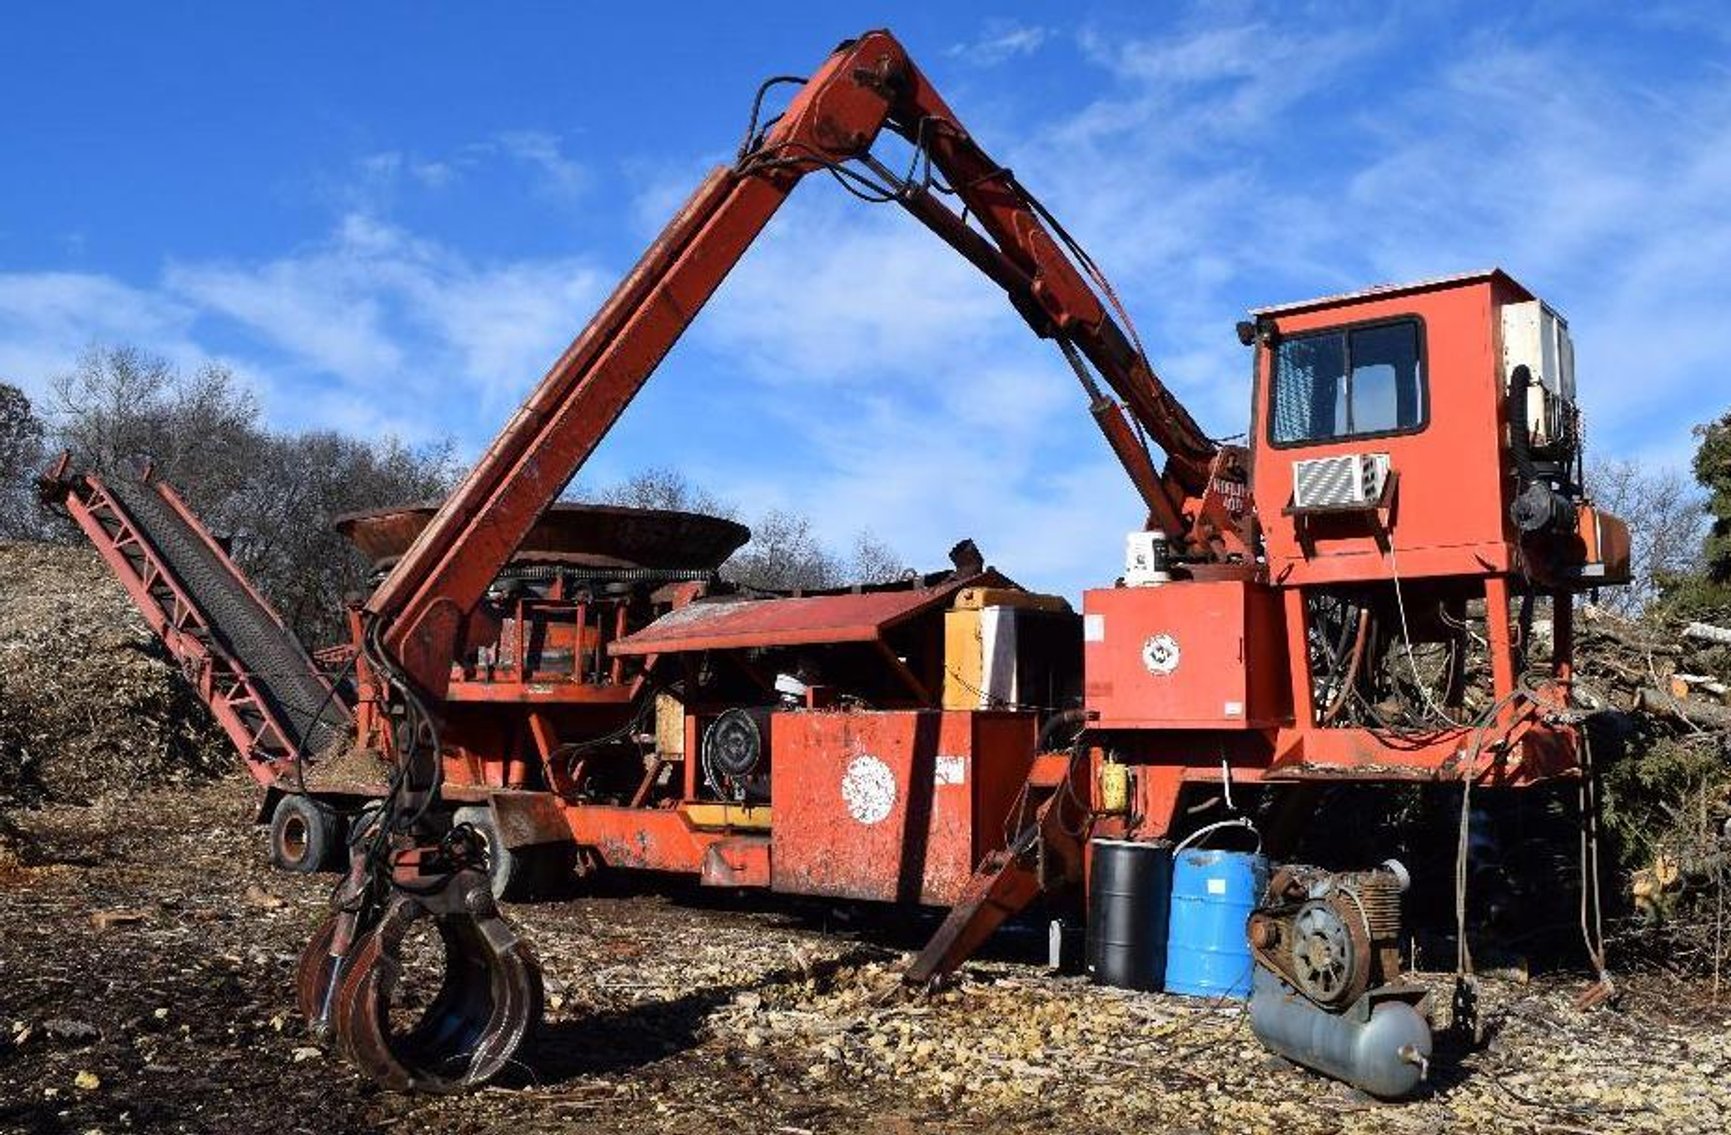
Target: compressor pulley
1330,961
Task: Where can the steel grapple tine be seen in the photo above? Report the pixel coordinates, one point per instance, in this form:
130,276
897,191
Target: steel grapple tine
317,973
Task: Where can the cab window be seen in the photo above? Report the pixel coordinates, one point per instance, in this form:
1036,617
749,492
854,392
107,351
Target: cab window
1351,382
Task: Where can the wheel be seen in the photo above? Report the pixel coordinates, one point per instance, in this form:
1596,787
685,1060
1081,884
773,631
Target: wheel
508,869
305,835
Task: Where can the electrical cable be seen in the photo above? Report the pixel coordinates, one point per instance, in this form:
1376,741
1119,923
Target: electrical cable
1406,637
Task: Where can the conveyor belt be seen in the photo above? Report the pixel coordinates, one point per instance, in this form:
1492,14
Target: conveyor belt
279,667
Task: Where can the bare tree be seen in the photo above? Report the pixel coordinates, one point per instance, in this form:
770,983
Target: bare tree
1665,512
20,454
785,552
667,488
120,407
281,519
274,494
874,561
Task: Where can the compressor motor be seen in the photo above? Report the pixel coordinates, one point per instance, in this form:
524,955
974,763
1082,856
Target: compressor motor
736,755
1327,991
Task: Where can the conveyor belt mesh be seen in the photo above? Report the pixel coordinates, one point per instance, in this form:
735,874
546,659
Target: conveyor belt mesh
280,668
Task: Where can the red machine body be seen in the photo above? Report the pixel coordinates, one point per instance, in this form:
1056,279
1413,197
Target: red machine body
893,807
1204,655
536,645
1193,679
1310,608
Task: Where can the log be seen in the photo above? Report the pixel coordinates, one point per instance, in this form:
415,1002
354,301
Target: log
1624,635
1703,714
1707,632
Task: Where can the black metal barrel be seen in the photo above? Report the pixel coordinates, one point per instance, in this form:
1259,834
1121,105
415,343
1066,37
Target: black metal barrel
1129,902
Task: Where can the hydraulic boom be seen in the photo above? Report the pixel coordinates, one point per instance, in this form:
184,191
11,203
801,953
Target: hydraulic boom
866,86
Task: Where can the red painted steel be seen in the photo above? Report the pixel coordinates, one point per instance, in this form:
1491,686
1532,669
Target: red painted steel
741,624
867,84
224,684
737,861
896,806
1186,656
1451,510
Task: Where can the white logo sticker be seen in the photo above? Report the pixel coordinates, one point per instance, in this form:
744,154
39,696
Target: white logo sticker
950,770
1217,886
868,787
1160,654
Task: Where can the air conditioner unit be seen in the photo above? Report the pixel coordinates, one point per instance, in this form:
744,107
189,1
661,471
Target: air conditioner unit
1536,337
1354,480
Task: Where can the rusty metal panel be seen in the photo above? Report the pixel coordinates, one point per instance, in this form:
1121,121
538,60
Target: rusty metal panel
649,839
738,861
526,819
854,617
1185,655
892,806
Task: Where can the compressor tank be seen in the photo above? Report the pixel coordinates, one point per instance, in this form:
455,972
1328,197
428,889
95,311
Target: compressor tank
1380,1045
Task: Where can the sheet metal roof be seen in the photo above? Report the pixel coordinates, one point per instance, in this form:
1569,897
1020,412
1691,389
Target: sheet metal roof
1382,291
732,625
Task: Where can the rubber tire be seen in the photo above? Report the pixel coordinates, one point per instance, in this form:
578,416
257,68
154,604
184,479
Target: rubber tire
509,870
305,836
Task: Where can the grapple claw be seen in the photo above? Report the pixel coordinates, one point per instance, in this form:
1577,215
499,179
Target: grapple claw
489,999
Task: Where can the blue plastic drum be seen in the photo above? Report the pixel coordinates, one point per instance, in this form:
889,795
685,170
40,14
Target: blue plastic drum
1207,948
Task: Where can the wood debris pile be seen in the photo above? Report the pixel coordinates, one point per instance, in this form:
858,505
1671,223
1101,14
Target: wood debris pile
90,703
1662,731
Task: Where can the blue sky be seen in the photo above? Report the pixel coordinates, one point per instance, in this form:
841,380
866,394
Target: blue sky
391,217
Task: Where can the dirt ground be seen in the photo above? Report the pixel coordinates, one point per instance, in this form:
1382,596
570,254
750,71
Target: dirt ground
147,956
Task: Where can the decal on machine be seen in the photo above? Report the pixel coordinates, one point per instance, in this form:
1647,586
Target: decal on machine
868,787
950,770
1160,654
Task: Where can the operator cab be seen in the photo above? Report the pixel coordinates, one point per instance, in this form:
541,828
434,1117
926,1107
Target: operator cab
1429,429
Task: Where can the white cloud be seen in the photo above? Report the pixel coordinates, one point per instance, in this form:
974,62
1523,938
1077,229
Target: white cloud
1001,41
319,307
370,328
395,314
507,323
47,318
1227,161
561,176
837,292
374,183
1604,195
1216,169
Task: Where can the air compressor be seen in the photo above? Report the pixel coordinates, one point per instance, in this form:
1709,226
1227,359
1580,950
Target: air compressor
1326,991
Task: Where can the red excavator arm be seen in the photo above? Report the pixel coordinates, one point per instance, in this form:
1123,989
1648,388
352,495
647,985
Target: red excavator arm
867,85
